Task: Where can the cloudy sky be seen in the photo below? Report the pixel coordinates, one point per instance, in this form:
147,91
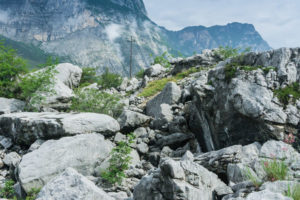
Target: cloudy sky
278,21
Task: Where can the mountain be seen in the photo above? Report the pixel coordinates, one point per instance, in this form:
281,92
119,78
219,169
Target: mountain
96,33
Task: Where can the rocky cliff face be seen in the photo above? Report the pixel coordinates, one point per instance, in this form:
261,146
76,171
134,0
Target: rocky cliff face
96,32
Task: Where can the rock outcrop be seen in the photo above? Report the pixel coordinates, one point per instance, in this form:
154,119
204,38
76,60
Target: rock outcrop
26,128
81,152
72,185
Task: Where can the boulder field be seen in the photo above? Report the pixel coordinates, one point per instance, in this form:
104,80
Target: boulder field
209,135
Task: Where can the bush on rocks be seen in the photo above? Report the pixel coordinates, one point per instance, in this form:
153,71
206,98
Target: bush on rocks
108,80
93,100
119,161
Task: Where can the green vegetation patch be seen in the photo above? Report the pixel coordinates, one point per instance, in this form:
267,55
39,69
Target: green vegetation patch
294,192
285,94
275,170
108,80
119,161
157,86
140,73
93,100
231,69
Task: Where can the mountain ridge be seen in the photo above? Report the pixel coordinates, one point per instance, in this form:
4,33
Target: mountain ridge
95,33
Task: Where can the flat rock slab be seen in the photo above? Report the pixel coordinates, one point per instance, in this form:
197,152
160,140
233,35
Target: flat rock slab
11,105
81,152
72,185
25,128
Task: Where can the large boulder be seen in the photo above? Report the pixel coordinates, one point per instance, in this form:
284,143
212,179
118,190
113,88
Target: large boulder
72,185
11,105
66,78
206,59
25,128
154,70
82,152
239,105
179,180
170,95
130,120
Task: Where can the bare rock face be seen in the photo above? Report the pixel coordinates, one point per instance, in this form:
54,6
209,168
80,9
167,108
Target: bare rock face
81,152
179,180
243,108
72,185
26,128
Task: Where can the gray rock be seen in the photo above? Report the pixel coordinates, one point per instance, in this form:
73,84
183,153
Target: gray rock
36,145
154,70
81,152
267,195
279,186
279,150
130,120
142,147
119,195
174,140
25,128
170,95
178,180
12,159
119,137
71,185
217,161
11,105
5,142
238,173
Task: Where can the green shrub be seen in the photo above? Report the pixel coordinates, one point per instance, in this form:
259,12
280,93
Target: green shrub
294,193
32,194
92,100
140,74
34,85
11,68
8,190
285,94
88,76
49,62
119,161
162,60
229,52
275,170
108,80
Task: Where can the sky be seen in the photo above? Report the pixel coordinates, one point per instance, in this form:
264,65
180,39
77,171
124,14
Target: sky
278,21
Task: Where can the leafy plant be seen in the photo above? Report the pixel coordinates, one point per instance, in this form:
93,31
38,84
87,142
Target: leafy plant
119,161
162,60
92,100
140,74
8,190
32,194
88,76
49,62
285,94
108,80
34,85
294,193
11,68
275,169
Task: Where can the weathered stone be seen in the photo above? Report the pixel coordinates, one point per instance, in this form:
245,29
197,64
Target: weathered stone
11,105
178,180
25,128
154,70
12,159
130,120
174,140
72,185
81,152
267,195
170,95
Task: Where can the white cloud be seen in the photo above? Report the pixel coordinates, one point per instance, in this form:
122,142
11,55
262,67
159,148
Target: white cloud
113,31
276,20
